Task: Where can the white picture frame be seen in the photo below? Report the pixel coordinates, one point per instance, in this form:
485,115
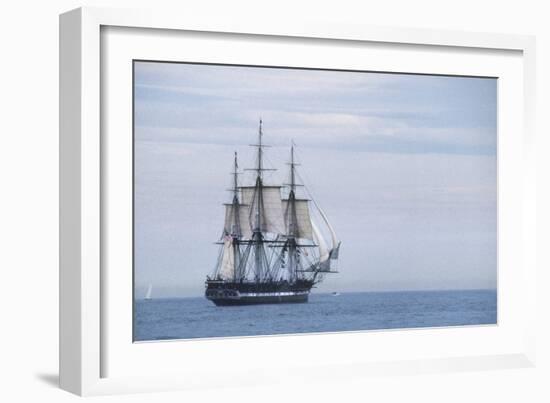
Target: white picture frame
91,358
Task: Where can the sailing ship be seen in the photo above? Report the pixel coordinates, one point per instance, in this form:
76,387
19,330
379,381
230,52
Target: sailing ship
271,248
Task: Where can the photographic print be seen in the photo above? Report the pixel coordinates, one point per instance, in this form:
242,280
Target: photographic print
273,200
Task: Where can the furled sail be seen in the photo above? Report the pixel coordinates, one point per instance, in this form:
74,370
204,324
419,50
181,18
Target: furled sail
303,219
234,227
272,212
227,268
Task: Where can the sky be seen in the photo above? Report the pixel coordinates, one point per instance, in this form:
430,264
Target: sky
404,166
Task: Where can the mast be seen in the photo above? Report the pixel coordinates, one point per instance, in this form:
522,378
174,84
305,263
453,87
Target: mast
292,220
257,235
292,165
236,204
259,183
235,178
236,218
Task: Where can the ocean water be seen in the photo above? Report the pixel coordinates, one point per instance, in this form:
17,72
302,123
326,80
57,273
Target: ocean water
183,318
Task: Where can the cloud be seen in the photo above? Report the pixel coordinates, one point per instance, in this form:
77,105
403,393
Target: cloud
384,112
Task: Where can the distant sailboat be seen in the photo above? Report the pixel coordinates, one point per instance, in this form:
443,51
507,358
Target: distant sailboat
149,291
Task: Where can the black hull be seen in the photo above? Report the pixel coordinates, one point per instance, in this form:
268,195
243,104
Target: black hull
224,293
291,299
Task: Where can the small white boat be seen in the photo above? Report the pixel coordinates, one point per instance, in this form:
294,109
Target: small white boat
149,292
335,294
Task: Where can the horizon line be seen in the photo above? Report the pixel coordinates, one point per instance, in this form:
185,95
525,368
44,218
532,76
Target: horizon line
351,292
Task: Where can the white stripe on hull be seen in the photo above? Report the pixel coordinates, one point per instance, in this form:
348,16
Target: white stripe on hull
233,294
272,294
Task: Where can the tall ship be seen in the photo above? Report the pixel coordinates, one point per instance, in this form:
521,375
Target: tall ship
272,248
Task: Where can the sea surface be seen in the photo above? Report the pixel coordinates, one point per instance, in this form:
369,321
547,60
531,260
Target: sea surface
184,318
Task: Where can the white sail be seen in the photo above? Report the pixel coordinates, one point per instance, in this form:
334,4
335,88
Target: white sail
230,226
149,292
272,212
303,219
335,242
227,269
320,240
